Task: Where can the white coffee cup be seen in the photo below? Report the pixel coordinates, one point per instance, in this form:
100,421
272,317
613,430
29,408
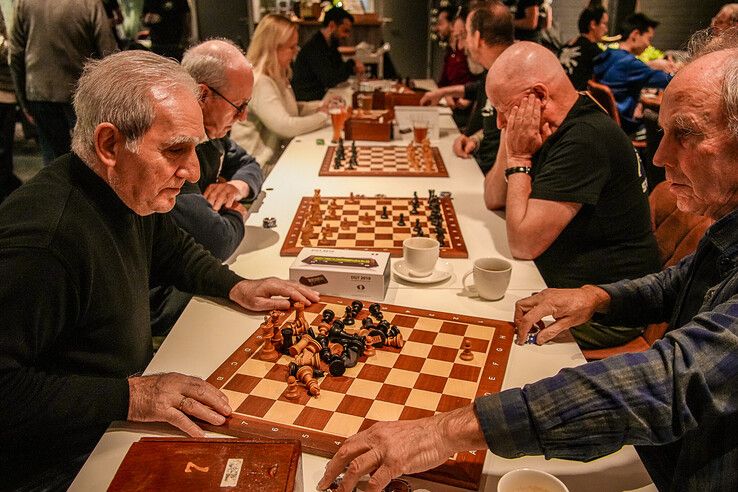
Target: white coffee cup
491,277
528,480
420,254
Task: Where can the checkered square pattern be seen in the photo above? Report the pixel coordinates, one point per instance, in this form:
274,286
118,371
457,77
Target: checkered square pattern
390,160
358,224
424,377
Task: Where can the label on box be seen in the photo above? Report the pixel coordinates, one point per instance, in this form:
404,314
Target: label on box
343,272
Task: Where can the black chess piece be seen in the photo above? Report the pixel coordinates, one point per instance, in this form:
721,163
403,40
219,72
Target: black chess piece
384,212
379,336
287,340
414,210
356,307
348,318
401,222
367,323
337,161
384,327
376,311
328,315
336,366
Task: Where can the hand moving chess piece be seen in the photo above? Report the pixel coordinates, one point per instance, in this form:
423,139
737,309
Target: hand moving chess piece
466,353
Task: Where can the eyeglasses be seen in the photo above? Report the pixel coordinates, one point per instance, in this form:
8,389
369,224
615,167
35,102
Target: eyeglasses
239,109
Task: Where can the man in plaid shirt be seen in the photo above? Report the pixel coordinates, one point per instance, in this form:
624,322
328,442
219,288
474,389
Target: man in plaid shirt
676,402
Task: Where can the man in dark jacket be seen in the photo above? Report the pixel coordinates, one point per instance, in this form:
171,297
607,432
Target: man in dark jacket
319,65
626,75
211,208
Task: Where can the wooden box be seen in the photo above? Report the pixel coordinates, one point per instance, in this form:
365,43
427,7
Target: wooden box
175,464
377,130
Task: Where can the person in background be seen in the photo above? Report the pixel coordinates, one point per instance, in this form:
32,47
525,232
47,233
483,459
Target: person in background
527,20
48,47
169,26
620,70
489,32
274,115
319,65
115,16
8,180
455,68
577,56
675,402
210,209
726,18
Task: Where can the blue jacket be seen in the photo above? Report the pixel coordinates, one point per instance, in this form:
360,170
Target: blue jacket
626,75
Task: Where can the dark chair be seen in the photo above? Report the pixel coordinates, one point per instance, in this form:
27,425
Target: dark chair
603,95
677,234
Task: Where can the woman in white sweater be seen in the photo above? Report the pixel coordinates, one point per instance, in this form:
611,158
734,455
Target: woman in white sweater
274,114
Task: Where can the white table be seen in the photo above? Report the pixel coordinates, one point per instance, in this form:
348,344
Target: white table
209,332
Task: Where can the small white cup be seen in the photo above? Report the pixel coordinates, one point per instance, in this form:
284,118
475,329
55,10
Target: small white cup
491,277
420,254
528,480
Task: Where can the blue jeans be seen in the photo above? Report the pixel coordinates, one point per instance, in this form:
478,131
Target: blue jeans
54,123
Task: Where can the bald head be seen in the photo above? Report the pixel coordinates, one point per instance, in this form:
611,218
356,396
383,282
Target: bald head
527,67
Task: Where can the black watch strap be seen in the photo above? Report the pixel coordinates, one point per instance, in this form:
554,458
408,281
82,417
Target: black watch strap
516,169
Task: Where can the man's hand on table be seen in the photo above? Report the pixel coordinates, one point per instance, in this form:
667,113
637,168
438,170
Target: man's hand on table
390,449
256,295
222,195
174,398
569,307
464,146
432,98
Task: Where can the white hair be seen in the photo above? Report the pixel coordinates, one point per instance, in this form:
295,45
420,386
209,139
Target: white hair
208,61
119,89
704,42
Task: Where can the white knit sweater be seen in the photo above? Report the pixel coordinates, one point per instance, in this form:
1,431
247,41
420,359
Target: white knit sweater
274,118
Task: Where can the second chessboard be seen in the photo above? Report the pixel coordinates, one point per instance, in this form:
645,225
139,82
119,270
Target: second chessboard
393,160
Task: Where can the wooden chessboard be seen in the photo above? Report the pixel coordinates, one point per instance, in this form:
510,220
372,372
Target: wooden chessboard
375,160
422,378
380,234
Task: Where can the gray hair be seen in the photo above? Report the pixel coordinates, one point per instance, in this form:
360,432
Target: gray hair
704,42
120,89
208,61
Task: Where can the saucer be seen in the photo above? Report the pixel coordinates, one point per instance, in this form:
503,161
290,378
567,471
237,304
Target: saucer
442,271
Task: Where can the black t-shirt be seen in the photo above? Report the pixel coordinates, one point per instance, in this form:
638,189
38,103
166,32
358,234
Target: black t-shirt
527,34
589,160
171,28
577,58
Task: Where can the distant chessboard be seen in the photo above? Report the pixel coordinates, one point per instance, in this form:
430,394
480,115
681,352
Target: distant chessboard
380,234
422,378
375,160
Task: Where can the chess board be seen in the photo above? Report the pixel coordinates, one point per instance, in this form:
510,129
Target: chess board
424,377
375,160
380,234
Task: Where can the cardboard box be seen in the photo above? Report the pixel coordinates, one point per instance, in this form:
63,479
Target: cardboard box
343,272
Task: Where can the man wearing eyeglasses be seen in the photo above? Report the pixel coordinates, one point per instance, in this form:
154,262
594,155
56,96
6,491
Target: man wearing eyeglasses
211,210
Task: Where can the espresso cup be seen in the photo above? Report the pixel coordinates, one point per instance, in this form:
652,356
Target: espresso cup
491,277
420,255
526,479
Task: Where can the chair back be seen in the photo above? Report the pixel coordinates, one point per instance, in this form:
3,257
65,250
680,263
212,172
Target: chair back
603,95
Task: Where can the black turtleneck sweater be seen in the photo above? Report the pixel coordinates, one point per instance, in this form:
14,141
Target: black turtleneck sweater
76,265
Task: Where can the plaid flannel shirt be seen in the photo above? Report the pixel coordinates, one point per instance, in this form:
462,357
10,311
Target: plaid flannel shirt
677,402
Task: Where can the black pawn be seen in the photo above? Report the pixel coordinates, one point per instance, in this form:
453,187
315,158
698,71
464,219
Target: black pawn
287,339
401,222
328,315
348,318
376,311
384,212
356,307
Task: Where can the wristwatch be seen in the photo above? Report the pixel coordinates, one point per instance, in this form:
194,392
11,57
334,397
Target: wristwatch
516,169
